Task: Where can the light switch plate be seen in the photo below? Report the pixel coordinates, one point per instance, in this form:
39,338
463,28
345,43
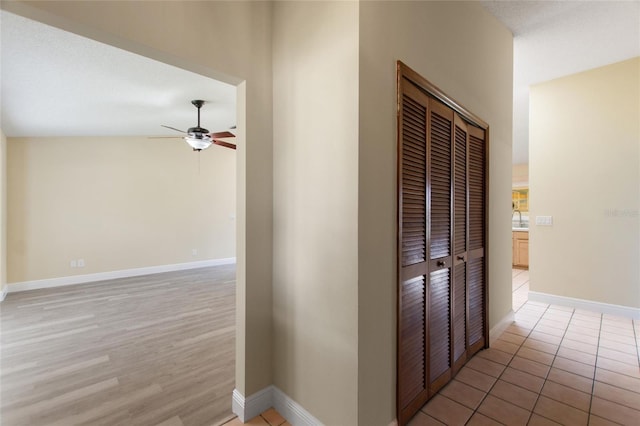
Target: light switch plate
544,220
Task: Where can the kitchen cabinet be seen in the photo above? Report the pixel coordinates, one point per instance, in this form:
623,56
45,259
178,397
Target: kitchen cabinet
521,249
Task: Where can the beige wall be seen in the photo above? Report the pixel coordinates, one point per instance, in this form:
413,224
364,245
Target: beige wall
315,283
117,203
3,211
584,150
333,198
520,175
463,50
237,50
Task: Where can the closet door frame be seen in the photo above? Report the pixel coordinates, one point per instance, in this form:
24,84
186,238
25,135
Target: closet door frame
412,77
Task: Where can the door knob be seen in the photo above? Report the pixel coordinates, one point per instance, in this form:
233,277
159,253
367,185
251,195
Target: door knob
440,263
460,257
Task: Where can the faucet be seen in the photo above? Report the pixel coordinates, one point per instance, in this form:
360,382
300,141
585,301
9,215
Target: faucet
519,216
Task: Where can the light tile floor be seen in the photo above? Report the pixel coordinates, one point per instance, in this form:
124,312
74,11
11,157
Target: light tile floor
520,286
269,418
553,366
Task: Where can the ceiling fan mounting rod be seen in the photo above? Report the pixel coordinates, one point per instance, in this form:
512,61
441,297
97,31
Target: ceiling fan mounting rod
198,104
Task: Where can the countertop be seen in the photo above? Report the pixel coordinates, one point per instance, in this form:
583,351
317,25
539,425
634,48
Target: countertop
520,229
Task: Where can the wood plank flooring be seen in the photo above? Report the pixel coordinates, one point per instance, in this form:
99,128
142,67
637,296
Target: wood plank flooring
150,350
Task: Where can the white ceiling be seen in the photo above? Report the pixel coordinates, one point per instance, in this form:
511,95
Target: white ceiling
55,83
557,38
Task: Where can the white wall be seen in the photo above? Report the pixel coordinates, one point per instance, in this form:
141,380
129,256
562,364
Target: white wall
116,203
467,53
315,111
585,172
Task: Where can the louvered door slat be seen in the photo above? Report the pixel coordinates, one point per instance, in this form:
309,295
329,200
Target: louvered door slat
476,192
476,300
439,303
460,309
414,180
412,341
460,228
440,179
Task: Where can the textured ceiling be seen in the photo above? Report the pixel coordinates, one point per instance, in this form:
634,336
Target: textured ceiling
557,38
55,83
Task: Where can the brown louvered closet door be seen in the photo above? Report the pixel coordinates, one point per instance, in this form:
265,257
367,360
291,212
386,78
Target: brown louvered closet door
476,282
459,299
442,202
440,229
412,259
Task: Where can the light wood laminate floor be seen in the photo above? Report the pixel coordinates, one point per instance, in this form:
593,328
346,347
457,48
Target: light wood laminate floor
149,350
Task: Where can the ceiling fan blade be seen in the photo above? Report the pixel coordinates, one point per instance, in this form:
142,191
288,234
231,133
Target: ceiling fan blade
225,144
173,128
224,134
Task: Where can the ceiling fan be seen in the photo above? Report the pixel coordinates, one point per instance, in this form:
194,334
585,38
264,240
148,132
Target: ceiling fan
200,138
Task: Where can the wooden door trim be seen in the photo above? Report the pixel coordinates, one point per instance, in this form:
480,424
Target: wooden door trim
404,71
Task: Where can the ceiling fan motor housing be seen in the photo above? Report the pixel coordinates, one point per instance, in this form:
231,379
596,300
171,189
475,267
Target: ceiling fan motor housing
198,132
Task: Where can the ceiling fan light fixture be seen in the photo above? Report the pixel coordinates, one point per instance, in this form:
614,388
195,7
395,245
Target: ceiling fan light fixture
198,143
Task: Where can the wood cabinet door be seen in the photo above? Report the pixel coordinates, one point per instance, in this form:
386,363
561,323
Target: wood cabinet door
522,248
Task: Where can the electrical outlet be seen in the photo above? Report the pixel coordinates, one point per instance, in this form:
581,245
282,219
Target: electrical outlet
73,264
194,252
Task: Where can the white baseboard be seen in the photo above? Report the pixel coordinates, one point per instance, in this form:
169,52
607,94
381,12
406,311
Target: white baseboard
252,406
248,408
3,293
123,273
292,411
589,305
501,326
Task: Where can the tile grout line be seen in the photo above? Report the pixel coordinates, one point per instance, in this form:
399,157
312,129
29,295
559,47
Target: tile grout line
505,368
551,366
634,326
498,378
514,291
555,355
595,368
